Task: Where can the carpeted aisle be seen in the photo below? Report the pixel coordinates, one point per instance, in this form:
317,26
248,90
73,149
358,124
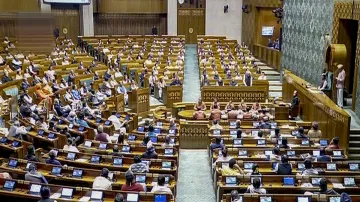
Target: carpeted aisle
191,91
194,183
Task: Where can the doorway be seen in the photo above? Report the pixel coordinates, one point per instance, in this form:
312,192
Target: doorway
191,23
348,35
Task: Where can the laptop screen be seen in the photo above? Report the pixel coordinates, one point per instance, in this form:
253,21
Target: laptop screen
242,153
315,181
261,142
125,148
237,141
157,130
305,142
56,170
16,144
169,151
349,181
88,143
323,142
233,132
9,184
232,123
51,136
141,129
159,124
131,138
67,192
153,139
140,178
303,199
248,166
290,153
41,133
70,156
316,153
95,159
289,181
132,197
353,166
166,164
334,199
331,166
107,123
337,153
268,152
3,140
13,163
117,161
81,128
301,166
96,195
265,199
159,198
102,146
216,132
171,131
77,173
98,120
230,180
35,188
254,132
273,165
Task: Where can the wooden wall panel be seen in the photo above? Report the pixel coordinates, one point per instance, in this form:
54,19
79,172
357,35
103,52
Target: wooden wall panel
8,24
69,19
266,18
126,24
191,23
19,6
249,19
132,6
192,4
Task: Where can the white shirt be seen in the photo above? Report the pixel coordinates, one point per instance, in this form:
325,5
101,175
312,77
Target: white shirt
102,183
70,148
161,189
116,121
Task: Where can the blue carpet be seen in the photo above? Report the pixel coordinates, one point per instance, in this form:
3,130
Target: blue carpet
191,88
194,183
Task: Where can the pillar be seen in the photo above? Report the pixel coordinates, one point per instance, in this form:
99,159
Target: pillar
87,19
172,17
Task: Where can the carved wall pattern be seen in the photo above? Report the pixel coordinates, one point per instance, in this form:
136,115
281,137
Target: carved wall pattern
341,10
143,99
174,96
305,23
235,97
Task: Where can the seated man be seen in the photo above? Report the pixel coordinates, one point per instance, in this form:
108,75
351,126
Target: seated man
334,144
255,187
233,82
138,166
283,168
17,131
102,182
52,159
217,144
232,169
101,135
60,110
75,93
130,184
323,157
215,113
314,132
150,152
118,126
309,170
200,105
161,187
215,103
34,176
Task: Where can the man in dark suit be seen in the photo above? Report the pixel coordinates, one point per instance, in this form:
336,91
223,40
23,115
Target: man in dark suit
56,32
154,31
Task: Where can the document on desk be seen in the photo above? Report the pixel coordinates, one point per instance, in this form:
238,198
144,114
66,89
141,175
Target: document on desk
55,196
338,186
84,199
82,160
306,185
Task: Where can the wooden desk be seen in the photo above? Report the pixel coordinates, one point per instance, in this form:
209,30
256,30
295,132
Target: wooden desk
269,56
172,94
281,112
314,106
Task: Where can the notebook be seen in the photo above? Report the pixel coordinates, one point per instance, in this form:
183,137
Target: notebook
172,132
107,123
254,133
141,129
153,139
157,130
273,165
131,138
305,142
16,144
81,128
232,124
98,120
268,152
3,140
159,124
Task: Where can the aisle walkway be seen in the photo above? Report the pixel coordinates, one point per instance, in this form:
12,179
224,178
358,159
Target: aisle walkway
194,182
191,87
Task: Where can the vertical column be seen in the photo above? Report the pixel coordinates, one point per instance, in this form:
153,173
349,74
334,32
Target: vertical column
87,19
44,7
172,17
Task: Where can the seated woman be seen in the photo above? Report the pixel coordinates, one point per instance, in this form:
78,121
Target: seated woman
215,103
256,106
255,187
41,94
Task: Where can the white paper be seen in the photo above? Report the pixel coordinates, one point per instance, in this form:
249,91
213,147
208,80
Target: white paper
55,196
84,199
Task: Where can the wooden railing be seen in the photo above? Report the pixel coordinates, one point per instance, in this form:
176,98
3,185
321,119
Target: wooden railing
270,56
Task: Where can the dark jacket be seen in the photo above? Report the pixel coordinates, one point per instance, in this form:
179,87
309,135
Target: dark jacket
323,158
31,158
284,169
150,154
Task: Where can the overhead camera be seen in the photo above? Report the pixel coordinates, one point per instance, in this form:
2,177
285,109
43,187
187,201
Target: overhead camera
245,8
278,12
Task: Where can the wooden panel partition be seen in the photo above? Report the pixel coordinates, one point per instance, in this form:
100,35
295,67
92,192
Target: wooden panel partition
139,100
172,94
194,135
270,56
314,106
257,93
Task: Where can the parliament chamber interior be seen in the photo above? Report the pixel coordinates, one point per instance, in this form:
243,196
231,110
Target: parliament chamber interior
180,100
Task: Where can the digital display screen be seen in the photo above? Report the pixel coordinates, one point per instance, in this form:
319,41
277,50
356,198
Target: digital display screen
267,30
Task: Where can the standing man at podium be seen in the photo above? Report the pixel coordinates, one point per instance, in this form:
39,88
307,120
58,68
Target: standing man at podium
340,81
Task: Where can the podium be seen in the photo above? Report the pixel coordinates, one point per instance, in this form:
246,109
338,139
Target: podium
139,100
171,95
